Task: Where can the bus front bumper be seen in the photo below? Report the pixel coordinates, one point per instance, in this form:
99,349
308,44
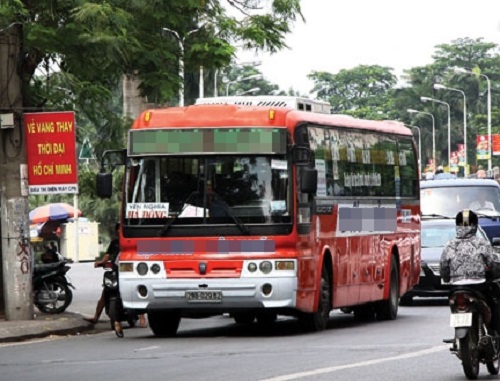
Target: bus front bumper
209,294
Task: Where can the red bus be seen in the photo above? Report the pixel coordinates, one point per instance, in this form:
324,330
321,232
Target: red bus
260,211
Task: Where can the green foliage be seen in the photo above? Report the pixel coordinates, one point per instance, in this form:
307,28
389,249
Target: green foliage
76,53
372,92
360,91
239,79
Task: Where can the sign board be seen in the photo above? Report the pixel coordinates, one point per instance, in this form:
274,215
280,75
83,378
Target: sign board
86,152
495,144
51,152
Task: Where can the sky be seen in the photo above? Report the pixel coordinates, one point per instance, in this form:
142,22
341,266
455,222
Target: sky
342,34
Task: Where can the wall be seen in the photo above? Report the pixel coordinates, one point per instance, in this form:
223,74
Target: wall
88,237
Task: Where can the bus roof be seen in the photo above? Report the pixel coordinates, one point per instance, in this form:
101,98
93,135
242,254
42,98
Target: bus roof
299,103
231,115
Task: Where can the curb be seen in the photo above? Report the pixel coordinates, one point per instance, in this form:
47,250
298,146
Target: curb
44,326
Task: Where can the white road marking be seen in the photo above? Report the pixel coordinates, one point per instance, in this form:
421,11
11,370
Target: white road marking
295,376
147,348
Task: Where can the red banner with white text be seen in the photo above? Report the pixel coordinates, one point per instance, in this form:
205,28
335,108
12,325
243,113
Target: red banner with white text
51,151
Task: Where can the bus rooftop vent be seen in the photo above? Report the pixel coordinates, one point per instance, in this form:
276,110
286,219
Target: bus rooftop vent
303,104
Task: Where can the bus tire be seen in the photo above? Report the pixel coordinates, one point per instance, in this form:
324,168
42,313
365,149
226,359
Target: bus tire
164,323
388,309
243,317
266,319
406,300
318,320
365,312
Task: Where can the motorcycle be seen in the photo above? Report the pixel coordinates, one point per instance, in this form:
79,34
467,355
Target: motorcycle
52,289
113,301
477,339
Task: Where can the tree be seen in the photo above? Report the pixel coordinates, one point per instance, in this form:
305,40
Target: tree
362,91
76,52
238,79
468,54
372,92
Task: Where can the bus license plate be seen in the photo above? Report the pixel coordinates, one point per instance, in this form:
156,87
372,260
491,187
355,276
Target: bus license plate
461,320
204,296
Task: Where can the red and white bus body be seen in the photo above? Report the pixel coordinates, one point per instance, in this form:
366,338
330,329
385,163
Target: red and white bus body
354,241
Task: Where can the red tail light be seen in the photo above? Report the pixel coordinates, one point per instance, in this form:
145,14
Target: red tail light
461,301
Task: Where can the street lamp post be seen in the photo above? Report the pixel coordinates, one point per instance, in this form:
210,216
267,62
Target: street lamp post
460,70
437,86
427,99
252,90
240,79
241,64
181,40
411,111
419,147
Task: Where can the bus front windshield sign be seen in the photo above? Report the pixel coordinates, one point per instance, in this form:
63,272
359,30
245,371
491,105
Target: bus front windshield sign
207,141
183,190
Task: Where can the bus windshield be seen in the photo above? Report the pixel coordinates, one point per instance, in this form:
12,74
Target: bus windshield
185,190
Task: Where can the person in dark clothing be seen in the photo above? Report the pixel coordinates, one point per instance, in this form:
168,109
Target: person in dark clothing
50,255
110,256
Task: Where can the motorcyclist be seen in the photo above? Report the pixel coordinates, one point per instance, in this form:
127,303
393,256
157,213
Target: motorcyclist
469,259
109,259
50,255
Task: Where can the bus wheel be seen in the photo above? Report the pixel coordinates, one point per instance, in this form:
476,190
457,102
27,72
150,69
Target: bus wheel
365,312
317,321
266,319
243,317
406,300
164,323
388,309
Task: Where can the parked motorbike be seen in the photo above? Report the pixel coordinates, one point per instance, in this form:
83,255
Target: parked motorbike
52,289
476,338
114,305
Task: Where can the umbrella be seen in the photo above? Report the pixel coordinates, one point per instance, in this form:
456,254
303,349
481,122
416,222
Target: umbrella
51,212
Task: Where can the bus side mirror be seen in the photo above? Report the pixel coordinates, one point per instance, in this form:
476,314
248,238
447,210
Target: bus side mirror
104,185
495,241
308,180
301,155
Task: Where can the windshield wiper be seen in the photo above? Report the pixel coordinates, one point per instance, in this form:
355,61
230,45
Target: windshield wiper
221,203
231,214
185,204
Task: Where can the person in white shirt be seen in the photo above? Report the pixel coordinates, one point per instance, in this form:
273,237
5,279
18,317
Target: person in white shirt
481,203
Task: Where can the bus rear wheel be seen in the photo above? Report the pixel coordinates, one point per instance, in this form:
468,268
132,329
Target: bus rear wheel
388,309
317,321
164,323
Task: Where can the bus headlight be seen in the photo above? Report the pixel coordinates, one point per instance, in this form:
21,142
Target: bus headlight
285,265
126,267
142,268
155,268
252,267
266,267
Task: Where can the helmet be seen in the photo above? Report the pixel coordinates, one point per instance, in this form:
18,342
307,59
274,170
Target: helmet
466,217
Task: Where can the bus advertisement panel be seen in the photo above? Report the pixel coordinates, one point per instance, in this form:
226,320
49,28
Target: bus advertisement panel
266,211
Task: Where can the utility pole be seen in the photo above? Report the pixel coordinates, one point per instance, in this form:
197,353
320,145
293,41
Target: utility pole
15,250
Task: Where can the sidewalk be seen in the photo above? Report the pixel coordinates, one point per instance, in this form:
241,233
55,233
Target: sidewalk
66,323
